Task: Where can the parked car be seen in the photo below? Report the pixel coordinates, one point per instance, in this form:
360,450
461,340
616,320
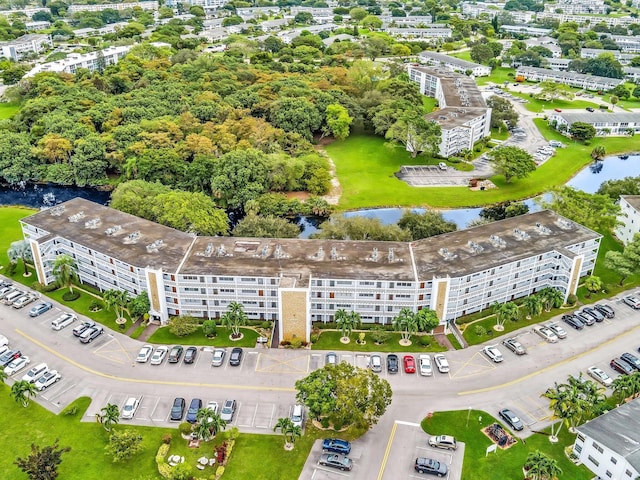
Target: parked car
335,460
627,357
443,441
621,366
425,365
442,166
144,354
177,409
430,466
192,413
585,319
297,415
598,317
336,445
9,356
556,328
35,373
12,296
392,363
16,365
23,301
236,357
441,363
90,334
213,406
493,353
48,379
632,301
228,410
159,354
590,109
515,346
375,363
606,310
4,341
4,291
129,408
409,364
190,355
3,349
218,357
599,376
175,354
79,330
331,358
557,110
63,321
573,321
40,308
545,333
511,418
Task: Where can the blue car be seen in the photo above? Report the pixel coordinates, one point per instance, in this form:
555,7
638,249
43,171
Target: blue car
192,413
336,445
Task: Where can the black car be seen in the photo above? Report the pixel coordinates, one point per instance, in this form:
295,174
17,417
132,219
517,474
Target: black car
621,366
511,418
9,356
177,410
606,310
599,317
573,321
392,363
430,466
586,319
175,354
590,109
631,360
335,460
192,413
190,355
236,357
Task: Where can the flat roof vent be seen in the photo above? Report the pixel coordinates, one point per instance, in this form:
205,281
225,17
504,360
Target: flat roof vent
374,257
57,210
392,256
279,254
221,251
334,254
564,224
75,218
93,223
475,247
319,255
132,237
153,247
520,234
264,251
446,254
542,229
496,241
207,251
112,230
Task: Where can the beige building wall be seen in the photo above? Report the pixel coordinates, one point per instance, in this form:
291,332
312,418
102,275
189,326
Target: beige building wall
295,321
575,277
37,261
439,297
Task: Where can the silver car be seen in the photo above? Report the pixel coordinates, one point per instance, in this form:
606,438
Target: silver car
159,355
63,321
375,363
228,410
218,357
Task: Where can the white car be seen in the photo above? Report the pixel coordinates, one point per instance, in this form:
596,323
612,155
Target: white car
130,407
144,354
493,353
159,354
375,363
599,376
425,365
557,329
442,166
546,333
48,379
33,375
4,341
16,365
213,406
63,321
218,357
441,362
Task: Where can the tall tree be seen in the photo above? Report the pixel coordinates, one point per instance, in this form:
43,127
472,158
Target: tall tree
623,186
594,211
65,270
593,284
108,416
539,466
426,224
20,250
512,162
426,320
42,463
598,152
416,133
502,112
582,131
505,311
550,90
533,305
551,297
22,391
338,121
561,406
124,444
405,323
117,301
234,318
346,321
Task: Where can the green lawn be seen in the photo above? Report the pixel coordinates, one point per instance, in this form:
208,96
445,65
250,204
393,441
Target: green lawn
466,55
10,230
164,336
429,103
7,110
535,105
366,168
499,135
330,340
498,76
466,426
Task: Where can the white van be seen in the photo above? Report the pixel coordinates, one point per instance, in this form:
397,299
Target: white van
297,415
12,297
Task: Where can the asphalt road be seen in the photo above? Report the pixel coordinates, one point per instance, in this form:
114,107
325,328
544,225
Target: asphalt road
263,385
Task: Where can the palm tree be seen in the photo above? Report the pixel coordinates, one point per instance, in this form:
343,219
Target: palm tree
212,421
626,386
561,406
551,297
285,425
540,466
505,311
294,432
593,284
590,395
406,323
22,392
116,300
234,317
20,250
533,305
65,270
109,417
346,321
598,152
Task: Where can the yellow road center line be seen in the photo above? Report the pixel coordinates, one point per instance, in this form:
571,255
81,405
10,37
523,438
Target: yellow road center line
387,451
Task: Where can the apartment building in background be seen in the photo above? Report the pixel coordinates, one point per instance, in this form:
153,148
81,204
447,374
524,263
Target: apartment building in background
75,61
463,115
573,79
617,123
629,218
296,282
144,5
25,45
454,64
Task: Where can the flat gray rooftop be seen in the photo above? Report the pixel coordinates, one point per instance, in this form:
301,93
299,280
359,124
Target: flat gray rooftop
601,117
619,430
633,200
441,57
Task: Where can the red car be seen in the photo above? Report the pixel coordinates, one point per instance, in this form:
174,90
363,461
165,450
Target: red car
409,364
557,110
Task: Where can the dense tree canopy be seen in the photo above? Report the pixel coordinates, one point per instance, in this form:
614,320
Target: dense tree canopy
512,162
595,211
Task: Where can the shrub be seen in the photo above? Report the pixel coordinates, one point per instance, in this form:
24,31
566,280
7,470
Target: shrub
209,328
166,438
70,411
10,269
572,299
480,331
185,428
183,325
95,306
37,286
219,472
285,343
266,325
315,338
425,341
296,342
71,296
324,421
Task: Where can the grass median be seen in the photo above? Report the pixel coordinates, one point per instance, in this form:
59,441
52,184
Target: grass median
330,340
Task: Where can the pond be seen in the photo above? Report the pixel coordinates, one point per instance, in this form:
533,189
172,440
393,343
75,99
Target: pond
39,196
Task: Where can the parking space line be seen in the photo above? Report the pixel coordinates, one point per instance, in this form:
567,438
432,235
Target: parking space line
57,394
333,472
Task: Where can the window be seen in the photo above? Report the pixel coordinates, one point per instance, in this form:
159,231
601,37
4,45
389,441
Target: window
577,448
628,473
608,474
598,447
593,460
614,460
